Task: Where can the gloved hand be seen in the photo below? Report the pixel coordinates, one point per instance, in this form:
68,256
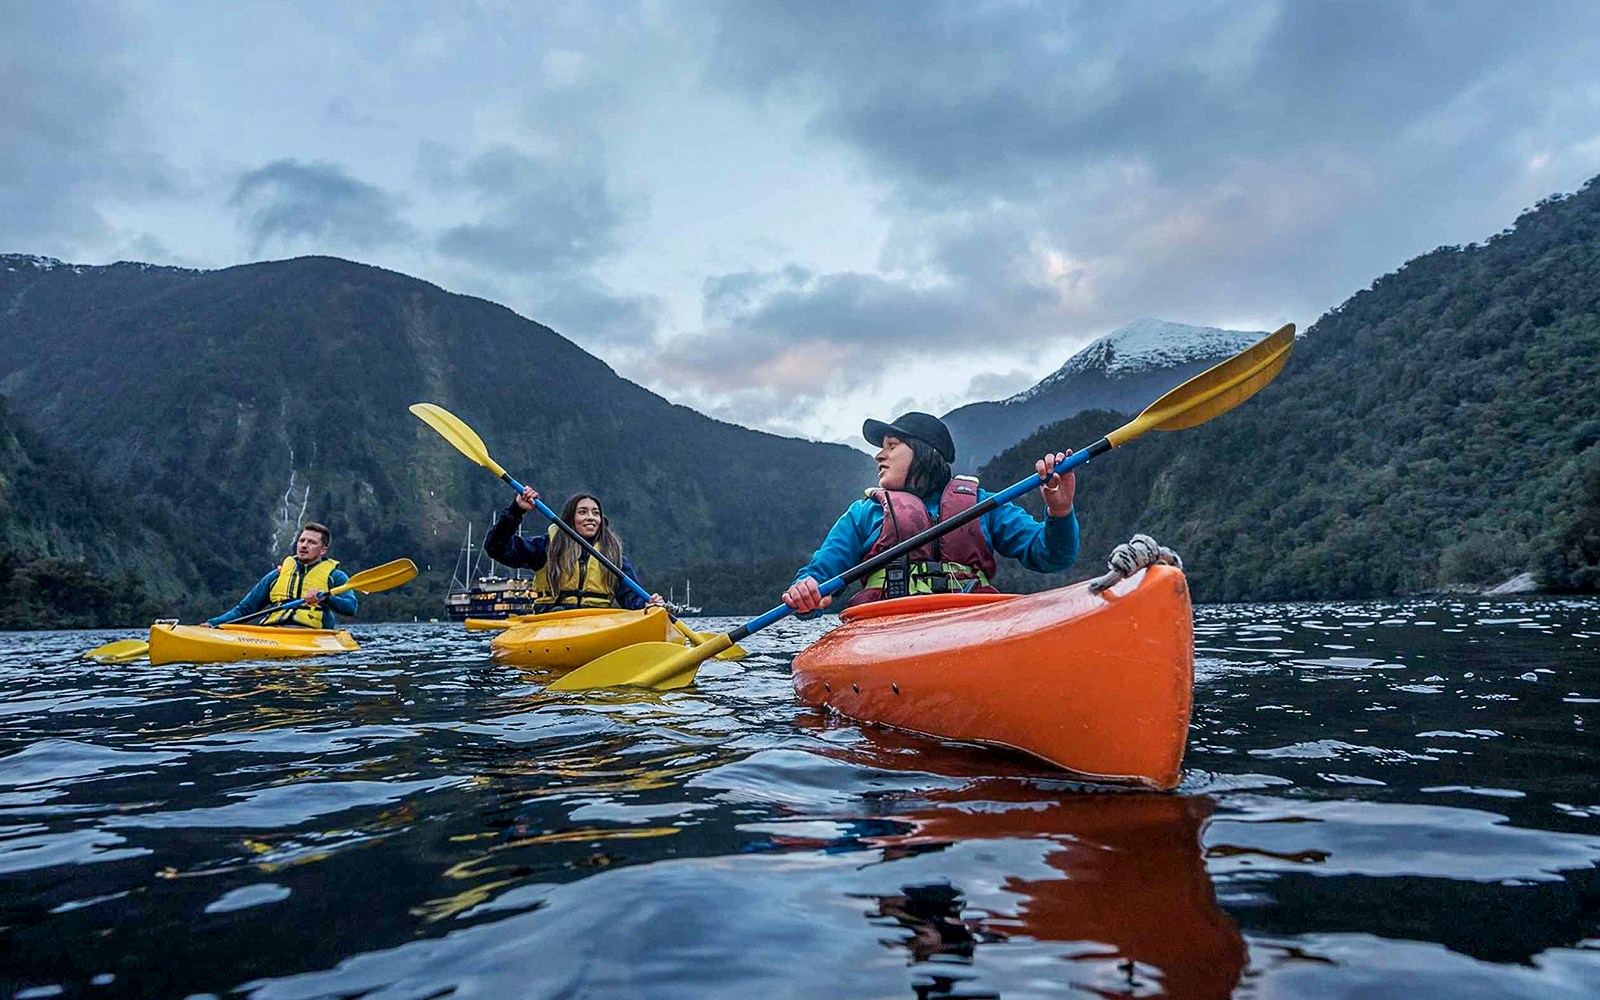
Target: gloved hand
1131,556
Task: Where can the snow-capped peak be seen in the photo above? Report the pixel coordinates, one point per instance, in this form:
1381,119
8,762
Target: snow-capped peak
14,260
1144,345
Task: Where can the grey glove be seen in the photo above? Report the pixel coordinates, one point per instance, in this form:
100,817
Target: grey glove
1130,557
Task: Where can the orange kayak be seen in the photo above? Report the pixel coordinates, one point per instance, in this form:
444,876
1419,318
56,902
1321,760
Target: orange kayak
1097,684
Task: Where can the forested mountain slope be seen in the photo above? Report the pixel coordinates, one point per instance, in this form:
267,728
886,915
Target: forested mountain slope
243,400
73,552
1439,428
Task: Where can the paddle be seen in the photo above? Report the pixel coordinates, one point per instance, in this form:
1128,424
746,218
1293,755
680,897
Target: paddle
1213,392
371,581
120,651
454,430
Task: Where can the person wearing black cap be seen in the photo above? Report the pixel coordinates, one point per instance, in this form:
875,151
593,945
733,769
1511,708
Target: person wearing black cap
915,488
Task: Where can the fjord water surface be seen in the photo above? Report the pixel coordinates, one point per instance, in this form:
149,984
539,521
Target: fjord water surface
1379,799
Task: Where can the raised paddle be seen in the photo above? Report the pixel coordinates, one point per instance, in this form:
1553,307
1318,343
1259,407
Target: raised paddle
466,440
378,578
1215,391
371,581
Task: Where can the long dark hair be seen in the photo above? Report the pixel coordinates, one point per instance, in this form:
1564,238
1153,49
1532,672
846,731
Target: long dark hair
928,472
564,553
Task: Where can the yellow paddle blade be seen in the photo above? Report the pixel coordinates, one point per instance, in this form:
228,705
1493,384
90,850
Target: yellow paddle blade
453,429
120,651
659,665
386,577
1214,391
734,652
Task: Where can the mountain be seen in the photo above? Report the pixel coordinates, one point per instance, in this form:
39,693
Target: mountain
1121,371
1438,430
239,402
73,552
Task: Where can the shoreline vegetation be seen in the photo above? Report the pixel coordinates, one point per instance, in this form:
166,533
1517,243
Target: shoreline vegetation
33,594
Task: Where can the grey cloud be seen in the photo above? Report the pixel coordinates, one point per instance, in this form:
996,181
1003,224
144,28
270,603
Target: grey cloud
848,308
541,216
71,135
593,313
998,385
969,284
955,99
1054,170
289,200
344,111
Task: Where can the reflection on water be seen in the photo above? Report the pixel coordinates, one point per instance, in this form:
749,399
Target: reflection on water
1379,799
1129,896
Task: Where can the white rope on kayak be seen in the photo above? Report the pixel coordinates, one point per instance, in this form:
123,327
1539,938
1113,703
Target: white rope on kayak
1131,556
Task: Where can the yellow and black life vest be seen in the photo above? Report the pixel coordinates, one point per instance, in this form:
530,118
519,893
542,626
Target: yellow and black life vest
295,580
585,585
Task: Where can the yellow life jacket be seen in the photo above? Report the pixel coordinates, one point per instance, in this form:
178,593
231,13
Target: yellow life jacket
294,581
585,585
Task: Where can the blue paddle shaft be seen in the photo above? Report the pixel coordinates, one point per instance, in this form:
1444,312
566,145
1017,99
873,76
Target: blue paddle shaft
860,570
555,519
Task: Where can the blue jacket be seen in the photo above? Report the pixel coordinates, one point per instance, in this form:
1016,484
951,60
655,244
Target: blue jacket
505,546
1047,546
254,601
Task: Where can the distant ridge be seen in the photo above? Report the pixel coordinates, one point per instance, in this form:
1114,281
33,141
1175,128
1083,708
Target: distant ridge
1122,371
244,399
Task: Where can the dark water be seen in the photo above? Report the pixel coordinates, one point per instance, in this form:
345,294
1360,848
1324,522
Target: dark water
1380,800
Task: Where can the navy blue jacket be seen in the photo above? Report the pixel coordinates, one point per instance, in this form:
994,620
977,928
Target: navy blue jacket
505,546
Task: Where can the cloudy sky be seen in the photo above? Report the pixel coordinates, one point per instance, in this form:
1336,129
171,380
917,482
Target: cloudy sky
794,215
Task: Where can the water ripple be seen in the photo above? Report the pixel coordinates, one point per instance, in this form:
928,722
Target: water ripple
1385,792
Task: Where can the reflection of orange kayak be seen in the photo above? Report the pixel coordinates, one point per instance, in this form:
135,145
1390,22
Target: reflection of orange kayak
1133,883
1132,877
563,640
1099,685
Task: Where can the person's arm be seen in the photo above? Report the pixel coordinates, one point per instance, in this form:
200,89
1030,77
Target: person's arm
624,595
249,604
505,546
847,542
344,604
1047,546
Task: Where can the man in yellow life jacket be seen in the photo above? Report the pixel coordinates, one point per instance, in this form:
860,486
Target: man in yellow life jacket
308,574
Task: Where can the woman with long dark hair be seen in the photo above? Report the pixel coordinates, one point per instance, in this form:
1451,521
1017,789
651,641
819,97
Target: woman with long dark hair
565,574
915,490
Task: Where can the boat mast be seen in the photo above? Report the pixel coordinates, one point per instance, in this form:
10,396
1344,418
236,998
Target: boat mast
463,563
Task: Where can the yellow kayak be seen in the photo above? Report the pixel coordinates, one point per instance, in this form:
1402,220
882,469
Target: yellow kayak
563,640
174,643
495,624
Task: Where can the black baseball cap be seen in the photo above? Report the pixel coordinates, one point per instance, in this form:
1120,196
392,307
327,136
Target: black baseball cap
922,426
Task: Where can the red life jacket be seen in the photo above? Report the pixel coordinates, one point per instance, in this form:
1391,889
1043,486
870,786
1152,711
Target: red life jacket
959,561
